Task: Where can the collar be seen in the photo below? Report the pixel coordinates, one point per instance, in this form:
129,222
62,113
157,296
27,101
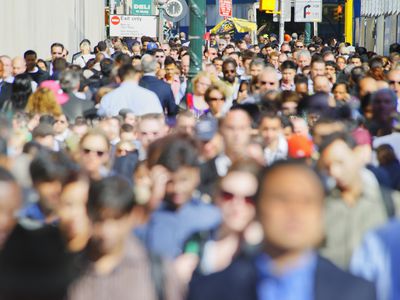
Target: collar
150,74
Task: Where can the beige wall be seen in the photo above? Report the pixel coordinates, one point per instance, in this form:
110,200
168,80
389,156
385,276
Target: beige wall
36,24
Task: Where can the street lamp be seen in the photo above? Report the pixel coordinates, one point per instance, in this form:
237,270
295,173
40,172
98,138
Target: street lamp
160,6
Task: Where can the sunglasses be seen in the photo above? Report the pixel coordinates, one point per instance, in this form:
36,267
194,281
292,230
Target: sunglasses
227,197
266,82
99,153
392,82
216,99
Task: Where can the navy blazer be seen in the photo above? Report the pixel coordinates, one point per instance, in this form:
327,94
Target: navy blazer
163,91
5,92
239,282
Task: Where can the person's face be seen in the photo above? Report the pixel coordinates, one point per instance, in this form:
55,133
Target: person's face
30,61
7,67
289,108
218,65
243,92
149,131
186,125
317,69
181,185
290,209
339,162
255,70
212,53
202,85
302,88
229,72
288,76
268,82
256,49
340,92
274,61
394,81
236,200
341,63
94,153
42,66
56,52
367,85
109,234
160,57
166,49
60,124
185,63
270,130
72,209
10,203
170,70
356,62
228,51
330,71
300,126
269,50
221,45
321,84
19,67
227,37
303,61
215,101
321,130
299,45
285,48
130,119
49,194
236,131
383,107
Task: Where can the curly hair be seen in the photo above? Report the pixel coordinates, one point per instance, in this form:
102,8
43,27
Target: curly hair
43,101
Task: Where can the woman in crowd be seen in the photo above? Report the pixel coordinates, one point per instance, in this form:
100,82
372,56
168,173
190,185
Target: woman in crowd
212,251
196,102
43,102
215,98
94,154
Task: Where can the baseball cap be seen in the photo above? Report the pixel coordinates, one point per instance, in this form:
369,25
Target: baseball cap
206,129
299,146
54,86
151,46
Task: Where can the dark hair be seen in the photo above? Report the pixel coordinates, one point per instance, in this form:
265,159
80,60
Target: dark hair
60,64
300,78
123,59
126,71
29,52
57,45
21,90
336,84
126,128
394,48
266,172
271,115
288,64
385,154
112,194
229,61
49,166
332,64
106,66
180,150
169,61
337,136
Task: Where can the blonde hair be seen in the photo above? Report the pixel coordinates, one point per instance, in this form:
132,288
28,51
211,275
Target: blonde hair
199,75
43,101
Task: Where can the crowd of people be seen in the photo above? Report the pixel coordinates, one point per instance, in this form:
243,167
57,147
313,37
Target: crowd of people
273,173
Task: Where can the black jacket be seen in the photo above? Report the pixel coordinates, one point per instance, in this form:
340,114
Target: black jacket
76,107
5,92
239,282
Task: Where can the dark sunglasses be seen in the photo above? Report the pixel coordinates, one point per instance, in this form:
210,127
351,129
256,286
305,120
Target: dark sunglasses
216,99
392,82
99,153
227,196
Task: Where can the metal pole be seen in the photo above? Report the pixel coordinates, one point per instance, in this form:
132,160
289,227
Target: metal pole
196,31
161,24
315,28
307,31
282,23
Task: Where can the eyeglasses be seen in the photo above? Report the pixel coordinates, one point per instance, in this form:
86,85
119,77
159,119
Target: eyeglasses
299,46
99,153
216,99
266,82
393,82
227,197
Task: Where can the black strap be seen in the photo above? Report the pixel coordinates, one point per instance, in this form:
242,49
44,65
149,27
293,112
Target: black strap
388,201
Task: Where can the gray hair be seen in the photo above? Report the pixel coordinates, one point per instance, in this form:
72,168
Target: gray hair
257,62
70,80
149,63
304,53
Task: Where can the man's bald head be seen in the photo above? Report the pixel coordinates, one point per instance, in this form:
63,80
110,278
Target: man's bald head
18,65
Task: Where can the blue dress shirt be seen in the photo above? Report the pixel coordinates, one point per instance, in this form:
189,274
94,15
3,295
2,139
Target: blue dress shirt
378,260
167,230
296,283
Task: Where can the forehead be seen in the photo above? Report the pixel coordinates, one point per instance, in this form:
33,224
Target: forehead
237,116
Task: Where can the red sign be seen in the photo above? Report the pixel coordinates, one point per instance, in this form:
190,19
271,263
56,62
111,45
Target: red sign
225,8
115,20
